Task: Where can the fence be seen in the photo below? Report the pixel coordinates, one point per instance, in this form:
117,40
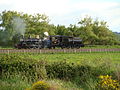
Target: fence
56,50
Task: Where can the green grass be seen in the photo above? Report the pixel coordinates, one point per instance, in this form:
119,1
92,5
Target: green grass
14,83
77,57
98,62
102,46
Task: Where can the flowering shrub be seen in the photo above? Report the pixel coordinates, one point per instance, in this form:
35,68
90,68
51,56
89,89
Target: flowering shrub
107,83
40,85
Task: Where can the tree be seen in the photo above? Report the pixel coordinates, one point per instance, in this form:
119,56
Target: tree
61,30
86,30
36,24
15,24
7,31
72,31
96,32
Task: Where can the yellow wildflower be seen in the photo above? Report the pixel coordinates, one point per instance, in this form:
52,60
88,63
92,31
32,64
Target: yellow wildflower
40,85
108,83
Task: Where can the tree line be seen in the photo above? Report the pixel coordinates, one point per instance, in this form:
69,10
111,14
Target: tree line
13,24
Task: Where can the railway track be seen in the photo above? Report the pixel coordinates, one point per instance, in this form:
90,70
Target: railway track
57,50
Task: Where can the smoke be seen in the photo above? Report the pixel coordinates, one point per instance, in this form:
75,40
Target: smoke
12,34
18,25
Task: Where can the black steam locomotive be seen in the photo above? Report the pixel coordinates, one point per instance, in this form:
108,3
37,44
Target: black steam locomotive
50,42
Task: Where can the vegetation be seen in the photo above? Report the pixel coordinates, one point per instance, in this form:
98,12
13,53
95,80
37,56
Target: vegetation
72,71
118,36
40,85
108,83
14,24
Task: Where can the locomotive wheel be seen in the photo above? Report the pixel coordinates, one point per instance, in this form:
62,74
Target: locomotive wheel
77,46
53,47
34,47
62,47
49,47
68,47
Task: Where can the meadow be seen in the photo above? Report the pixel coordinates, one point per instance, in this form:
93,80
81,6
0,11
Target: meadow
62,71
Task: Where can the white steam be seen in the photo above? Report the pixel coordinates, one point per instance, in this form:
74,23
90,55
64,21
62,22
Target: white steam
18,25
46,34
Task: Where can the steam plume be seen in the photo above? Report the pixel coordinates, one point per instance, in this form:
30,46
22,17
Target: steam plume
19,25
46,34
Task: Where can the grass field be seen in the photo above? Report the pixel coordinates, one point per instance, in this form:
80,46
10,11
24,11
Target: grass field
75,57
80,70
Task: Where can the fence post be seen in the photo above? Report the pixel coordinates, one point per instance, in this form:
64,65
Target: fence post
64,50
8,52
90,50
74,50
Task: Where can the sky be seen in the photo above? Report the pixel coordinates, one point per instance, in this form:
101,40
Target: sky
66,12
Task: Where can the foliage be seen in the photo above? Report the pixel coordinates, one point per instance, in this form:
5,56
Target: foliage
64,70
7,31
96,32
40,85
118,37
61,30
13,65
107,83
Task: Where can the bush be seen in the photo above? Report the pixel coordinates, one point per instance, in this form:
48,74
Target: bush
69,71
26,67
60,70
40,85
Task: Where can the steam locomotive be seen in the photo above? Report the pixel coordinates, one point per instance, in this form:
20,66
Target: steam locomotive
50,42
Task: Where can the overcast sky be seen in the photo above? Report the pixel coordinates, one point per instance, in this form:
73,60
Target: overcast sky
65,12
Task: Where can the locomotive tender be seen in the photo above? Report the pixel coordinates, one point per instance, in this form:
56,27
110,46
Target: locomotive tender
50,42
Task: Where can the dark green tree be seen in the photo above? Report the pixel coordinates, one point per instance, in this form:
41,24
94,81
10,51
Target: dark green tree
15,24
86,30
72,30
61,30
7,31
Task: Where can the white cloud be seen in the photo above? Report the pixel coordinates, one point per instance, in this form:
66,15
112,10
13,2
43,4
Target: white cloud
5,1
42,6
67,11
94,6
